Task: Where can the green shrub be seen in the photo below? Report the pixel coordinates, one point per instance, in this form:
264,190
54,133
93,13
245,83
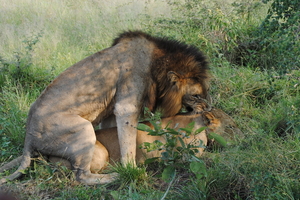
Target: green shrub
20,69
275,44
176,157
282,15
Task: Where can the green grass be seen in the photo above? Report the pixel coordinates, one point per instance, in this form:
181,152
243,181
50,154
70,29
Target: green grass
258,86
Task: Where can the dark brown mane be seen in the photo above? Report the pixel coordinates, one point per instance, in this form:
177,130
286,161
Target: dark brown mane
131,35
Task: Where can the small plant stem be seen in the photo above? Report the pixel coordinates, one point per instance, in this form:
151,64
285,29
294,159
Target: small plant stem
169,186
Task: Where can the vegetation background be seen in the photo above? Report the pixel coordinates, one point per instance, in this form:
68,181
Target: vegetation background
254,51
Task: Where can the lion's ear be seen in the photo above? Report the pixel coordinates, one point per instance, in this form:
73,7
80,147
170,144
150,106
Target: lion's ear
173,77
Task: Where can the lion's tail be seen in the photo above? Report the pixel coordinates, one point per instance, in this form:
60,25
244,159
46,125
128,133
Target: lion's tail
11,164
25,160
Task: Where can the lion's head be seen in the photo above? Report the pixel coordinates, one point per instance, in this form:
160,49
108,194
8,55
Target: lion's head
177,69
195,104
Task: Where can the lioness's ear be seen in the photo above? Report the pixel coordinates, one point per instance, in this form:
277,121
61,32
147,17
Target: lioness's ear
208,118
173,77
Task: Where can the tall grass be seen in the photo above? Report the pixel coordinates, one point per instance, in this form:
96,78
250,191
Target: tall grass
39,39
71,29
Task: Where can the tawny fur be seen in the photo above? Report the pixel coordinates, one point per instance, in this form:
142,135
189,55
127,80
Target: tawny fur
107,146
137,70
109,138
222,124
195,104
216,121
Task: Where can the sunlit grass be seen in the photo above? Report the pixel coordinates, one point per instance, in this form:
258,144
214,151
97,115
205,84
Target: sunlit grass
71,29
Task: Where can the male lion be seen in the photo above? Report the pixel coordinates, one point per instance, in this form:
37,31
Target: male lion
137,70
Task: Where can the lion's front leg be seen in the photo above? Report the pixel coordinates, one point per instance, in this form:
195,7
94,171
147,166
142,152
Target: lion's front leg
128,106
127,120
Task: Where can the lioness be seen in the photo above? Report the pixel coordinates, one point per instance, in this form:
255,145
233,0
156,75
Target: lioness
107,146
215,120
109,139
137,70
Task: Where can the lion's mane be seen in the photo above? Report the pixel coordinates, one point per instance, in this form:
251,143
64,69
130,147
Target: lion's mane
171,55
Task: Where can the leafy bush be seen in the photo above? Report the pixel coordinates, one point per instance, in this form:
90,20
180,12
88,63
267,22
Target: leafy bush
282,15
172,155
20,84
276,43
176,157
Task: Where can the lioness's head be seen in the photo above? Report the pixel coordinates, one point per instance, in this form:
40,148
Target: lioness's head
219,122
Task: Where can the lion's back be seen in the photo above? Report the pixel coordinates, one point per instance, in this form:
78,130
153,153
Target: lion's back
88,87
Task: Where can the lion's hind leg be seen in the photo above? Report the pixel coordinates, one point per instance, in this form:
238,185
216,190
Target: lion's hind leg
79,145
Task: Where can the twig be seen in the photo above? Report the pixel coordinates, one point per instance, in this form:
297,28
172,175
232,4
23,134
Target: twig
169,186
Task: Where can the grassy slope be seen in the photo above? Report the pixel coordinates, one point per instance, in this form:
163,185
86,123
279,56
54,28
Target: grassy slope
263,165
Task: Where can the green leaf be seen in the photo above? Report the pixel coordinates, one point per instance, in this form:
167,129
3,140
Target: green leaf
199,169
156,145
172,131
23,171
115,194
144,127
172,142
182,142
165,155
151,160
156,125
218,138
199,130
168,174
153,132
195,158
49,170
189,128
